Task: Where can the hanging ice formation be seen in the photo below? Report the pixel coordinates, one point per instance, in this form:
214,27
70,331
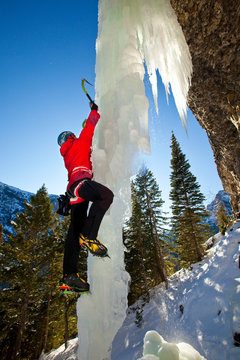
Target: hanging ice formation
130,33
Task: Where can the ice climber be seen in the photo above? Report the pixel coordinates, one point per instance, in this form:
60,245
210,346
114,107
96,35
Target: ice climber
81,189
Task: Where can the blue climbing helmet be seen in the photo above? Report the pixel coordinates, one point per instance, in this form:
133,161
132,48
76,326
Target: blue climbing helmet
63,137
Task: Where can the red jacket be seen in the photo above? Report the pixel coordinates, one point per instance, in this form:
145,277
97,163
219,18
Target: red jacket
77,152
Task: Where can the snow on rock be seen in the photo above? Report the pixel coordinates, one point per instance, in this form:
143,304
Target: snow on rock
221,198
14,201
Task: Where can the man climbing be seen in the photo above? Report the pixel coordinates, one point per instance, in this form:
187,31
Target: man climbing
84,225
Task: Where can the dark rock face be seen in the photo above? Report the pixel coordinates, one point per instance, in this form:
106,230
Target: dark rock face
211,29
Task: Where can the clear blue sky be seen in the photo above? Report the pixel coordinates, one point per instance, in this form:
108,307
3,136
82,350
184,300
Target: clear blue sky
47,46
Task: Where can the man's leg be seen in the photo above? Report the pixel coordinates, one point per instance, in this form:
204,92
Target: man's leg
72,247
101,198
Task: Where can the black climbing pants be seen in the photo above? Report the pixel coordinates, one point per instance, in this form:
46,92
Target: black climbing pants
85,222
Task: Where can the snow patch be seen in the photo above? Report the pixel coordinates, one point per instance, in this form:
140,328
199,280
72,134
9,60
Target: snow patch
155,347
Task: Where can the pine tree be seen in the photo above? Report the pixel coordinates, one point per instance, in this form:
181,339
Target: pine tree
145,238
24,263
188,211
133,238
154,221
224,219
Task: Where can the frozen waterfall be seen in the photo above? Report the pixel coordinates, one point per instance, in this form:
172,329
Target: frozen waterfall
131,34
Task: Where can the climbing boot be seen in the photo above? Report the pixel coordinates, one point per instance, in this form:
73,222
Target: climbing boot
94,246
73,283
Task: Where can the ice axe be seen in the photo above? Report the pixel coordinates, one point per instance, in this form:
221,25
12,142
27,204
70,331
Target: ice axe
89,97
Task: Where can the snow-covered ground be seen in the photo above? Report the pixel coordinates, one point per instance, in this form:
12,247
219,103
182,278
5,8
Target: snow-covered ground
201,307
61,354
209,296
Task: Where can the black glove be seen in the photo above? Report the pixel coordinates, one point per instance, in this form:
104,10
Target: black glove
63,205
93,106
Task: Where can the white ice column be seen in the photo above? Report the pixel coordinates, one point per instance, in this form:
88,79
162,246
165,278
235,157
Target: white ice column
130,33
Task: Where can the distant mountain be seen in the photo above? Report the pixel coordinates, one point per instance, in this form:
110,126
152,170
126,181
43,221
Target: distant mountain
12,202
221,198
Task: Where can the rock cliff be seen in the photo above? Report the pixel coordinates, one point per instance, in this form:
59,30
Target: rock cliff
211,29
